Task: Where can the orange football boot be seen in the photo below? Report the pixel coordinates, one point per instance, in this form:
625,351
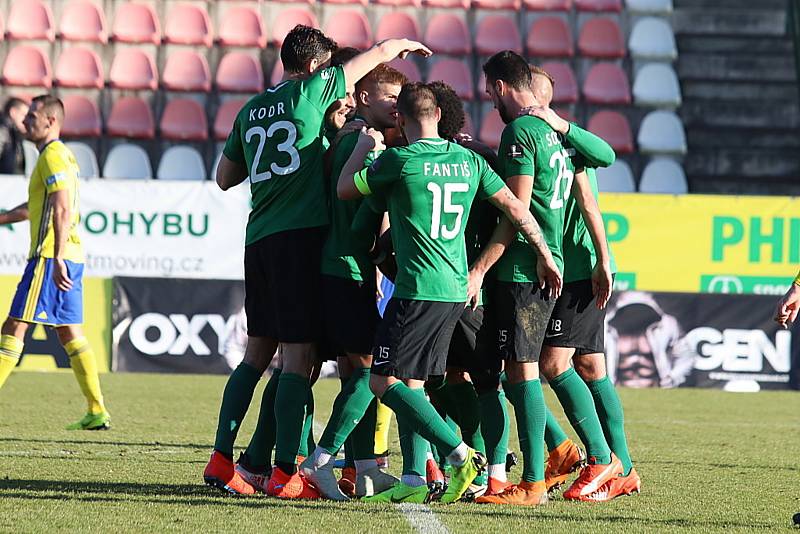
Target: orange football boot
592,478
497,487
561,462
522,494
348,481
220,473
617,487
294,486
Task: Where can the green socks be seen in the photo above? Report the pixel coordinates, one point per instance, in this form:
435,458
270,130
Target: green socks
413,446
290,400
348,410
528,400
494,426
235,401
468,414
307,444
362,438
554,435
421,416
609,410
259,451
575,397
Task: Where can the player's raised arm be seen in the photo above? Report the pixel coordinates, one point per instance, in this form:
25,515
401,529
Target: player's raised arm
15,215
381,52
352,182
590,211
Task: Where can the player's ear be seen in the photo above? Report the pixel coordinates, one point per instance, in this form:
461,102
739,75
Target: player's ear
438,113
312,67
362,98
500,87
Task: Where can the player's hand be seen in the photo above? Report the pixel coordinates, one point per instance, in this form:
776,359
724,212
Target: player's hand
474,285
354,125
549,116
61,275
550,277
788,306
462,137
414,47
372,138
602,284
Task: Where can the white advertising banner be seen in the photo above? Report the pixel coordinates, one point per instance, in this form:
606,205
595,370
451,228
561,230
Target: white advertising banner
145,228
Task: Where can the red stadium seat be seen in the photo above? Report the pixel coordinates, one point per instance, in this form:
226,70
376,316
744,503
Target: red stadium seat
362,2
606,83
456,4
349,28
550,37
133,68
414,3
407,67
184,120
30,20
599,5
482,87
79,67
27,66
497,4
136,23
614,128
448,34
186,70
491,129
397,25
131,117
240,72
288,19
277,73
82,20
242,26
601,38
565,114
497,33
454,73
81,117
566,86
226,114
188,24
548,5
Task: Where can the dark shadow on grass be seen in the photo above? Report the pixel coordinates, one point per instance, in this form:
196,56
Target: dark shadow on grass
725,466
207,446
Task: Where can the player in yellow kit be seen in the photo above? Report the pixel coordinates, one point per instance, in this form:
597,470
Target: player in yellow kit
51,289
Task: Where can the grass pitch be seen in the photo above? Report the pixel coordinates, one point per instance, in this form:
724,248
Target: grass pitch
709,461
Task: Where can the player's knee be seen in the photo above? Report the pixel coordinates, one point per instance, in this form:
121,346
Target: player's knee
553,362
378,385
12,327
457,375
485,382
590,367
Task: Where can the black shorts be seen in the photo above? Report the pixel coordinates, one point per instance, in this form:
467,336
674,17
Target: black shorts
474,349
350,313
576,322
414,337
282,286
522,312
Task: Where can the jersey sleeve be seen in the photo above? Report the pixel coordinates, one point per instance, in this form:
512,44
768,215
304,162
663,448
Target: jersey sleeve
489,182
324,87
384,171
596,152
233,149
59,172
516,151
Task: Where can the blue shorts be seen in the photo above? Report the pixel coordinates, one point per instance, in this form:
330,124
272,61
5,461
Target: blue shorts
38,300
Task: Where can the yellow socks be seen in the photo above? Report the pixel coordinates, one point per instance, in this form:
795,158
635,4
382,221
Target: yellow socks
84,365
10,351
384,417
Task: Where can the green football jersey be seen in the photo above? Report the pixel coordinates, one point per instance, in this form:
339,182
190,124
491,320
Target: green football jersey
530,147
579,253
429,187
279,136
341,255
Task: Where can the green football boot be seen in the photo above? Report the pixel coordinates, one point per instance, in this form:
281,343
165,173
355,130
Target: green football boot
462,476
401,493
92,421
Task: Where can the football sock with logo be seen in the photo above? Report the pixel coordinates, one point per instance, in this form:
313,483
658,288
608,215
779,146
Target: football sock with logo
469,414
307,444
348,410
421,416
259,450
494,426
10,352
84,366
235,400
554,435
383,419
290,408
612,417
575,397
528,400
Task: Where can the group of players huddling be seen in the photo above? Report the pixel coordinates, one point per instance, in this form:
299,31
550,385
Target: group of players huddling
501,271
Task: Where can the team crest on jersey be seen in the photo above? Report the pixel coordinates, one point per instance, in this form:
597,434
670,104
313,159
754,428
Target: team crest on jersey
325,74
514,151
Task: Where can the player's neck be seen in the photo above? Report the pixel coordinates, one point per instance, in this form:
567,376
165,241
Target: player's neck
520,100
47,140
415,132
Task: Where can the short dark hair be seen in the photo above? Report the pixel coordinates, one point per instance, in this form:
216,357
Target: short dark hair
383,73
509,67
302,45
453,116
51,104
11,103
343,55
417,101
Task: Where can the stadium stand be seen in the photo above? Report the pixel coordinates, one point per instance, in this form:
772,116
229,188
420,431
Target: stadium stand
350,28
83,21
133,68
550,37
566,86
448,34
188,24
27,66
601,38
186,70
614,128
665,176
606,83
496,33
661,132
128,162
181,163
397,25
85,158
618,178
407,67
652,39
184,120
136,23
226,114
656,84
284,22
81,117
239,72
242,26
32,20
455,73
131,117
79,67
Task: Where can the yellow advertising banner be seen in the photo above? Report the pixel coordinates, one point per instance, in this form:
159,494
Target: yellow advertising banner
703,243
42,350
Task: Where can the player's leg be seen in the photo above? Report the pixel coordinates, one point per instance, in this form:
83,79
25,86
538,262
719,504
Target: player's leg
12,341
307,443
383,422
564,456
84,365
592,369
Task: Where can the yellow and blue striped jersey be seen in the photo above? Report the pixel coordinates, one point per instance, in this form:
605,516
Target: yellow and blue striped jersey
56,170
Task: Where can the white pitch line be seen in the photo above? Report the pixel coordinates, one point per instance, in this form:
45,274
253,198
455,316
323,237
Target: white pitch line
422,519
